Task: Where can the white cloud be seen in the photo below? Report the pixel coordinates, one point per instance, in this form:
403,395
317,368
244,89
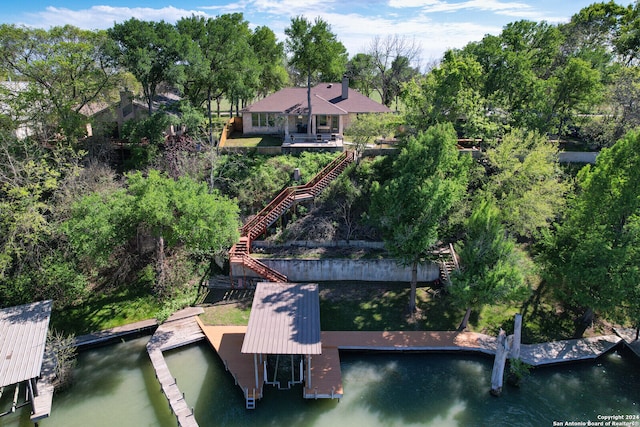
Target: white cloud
102,17
412,19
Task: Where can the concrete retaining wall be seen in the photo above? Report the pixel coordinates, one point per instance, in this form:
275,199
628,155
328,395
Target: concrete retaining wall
577,157
357,244
320,270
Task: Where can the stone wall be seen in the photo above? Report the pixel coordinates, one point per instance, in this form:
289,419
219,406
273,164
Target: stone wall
336,269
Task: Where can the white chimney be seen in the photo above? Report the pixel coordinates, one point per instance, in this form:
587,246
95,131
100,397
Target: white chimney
345,87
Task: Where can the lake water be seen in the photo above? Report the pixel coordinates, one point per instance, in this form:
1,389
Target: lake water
115,386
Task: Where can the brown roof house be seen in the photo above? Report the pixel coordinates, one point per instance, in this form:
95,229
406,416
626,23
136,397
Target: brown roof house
333,106
108,118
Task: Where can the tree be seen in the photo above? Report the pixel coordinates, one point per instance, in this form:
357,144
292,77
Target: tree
30,244
366,127
525,182
177,214
151,51
384,52
315,52
623,96
627,44
361,72
450,93
63,70
401,73
430,177
593,257
221,60
577,88
182,212
592,32
517,66
493,268
270,55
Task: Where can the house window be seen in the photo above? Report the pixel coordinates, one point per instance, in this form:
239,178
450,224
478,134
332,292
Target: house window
263,120
327,123
334,124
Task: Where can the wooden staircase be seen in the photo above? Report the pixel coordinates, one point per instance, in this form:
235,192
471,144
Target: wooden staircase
448,263
289,197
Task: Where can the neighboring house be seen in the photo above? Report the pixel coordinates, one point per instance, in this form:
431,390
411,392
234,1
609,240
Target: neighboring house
108,118
11,90
333,107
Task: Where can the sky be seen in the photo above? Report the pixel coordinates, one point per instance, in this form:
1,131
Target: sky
435,25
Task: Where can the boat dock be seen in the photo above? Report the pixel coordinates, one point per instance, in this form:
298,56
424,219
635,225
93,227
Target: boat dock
326,378
550,353
180,329
106,335
227,341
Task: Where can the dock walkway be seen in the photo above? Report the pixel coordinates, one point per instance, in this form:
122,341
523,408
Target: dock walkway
326,378
180,329
567,351
227,341
106,335
43,398
629,337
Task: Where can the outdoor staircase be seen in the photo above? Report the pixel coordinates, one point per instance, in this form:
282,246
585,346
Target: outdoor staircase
289,197
448,263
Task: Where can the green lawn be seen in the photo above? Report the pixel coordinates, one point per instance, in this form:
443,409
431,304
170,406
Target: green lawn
252,141
106,311
383,306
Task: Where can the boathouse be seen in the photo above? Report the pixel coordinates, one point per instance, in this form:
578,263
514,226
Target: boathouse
283,329
23,338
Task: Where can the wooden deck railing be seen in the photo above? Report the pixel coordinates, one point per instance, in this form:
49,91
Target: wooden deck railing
287,197
259,224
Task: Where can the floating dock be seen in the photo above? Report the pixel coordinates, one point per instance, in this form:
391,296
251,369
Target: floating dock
182,328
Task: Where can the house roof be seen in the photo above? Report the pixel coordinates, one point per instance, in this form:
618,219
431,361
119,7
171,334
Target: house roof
23,336
284,319
164,99
326,98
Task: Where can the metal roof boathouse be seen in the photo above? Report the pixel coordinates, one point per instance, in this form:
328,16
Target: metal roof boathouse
283,335
23,337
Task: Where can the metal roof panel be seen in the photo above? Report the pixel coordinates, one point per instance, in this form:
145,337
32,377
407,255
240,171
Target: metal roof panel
284,319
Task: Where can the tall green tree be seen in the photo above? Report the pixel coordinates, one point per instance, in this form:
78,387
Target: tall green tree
493,269
315,52
592,260
430,177
182,212
61,71
627,44
450,93
270,55
577,88
222,62
592,32
152,51
361,72
30,246
524,179
176,214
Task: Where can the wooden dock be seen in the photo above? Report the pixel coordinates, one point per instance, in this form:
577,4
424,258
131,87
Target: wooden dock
227,341
104,336
43,398
628,335
567,351
326,377
180,329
